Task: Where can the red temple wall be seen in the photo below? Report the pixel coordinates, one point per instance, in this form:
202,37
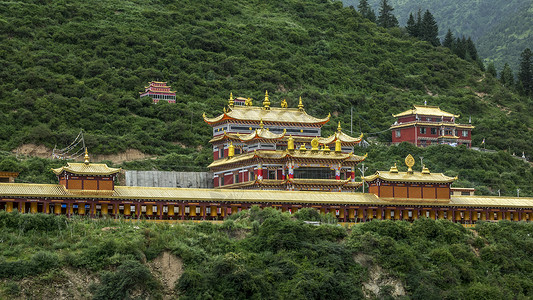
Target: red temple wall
428,192
415,192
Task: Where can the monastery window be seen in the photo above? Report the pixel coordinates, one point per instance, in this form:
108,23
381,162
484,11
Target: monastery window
423,130
410,214
433,131
221,180
271,174
465,133
314,173
465,193
398,133
221,153
392,213
236,178
208,210
251,175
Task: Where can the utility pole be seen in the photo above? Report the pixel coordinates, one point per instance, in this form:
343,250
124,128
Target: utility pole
362,169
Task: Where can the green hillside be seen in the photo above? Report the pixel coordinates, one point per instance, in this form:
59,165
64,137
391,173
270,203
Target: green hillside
501,29
262,254
75,65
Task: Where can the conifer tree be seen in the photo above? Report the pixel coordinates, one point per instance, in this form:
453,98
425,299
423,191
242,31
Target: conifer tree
448,40
525,74
471,49
366,11
506,76
459,47
386,19
491,69
429,30
411,27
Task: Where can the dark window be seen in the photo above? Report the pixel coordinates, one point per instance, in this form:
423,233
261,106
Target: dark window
433,130
422,130
398,133
465,193
236,178
220,153
314,173
271,174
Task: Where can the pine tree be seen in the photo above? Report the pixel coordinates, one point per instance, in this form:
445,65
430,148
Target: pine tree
471,49
429,30
525,74
491,69
386,19
506,76
459,47
411,26
448,40
366,11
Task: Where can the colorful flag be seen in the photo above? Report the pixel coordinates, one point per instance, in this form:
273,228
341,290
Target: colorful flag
483,142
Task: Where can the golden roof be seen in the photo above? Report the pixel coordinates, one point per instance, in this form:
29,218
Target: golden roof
261,133
417,177
253,196
302,181
280,154
424,123
343,137
426,110
274,114
86,169
9,174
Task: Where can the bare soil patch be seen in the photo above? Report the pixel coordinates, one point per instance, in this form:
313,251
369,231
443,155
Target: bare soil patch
167,268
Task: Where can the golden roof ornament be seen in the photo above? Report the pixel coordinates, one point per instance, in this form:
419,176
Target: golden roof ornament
290,143
314,144
284,104
339,128
231,150
231,102
300,105
394,169
248,102
302,148
410,162
266,102
261,124
338,146
425,170
326,149
87,161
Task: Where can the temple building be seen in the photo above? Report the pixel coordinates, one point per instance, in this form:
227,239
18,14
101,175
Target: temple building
279,148
8,176
425,125
159,91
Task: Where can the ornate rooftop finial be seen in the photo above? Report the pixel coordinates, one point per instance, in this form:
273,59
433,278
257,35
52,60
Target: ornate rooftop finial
338,146
248,102
339,128
300,105
284,104
314,144
302,148
394,169
261,124
410,162
86,157
266,102
231,102
425,170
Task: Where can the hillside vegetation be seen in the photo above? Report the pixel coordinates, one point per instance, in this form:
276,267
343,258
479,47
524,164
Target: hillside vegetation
76,64
500,28
263,254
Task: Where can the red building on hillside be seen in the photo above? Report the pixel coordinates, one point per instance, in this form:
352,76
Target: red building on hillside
159,91
425,125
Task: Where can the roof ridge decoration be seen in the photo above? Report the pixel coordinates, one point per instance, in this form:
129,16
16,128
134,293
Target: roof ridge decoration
231,102
87,160
410,162
266,102
300,105
284,103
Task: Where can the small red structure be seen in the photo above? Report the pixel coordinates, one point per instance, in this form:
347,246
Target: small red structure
425,125
159,91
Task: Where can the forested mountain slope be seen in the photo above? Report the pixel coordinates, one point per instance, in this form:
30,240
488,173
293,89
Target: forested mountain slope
501,29
75,64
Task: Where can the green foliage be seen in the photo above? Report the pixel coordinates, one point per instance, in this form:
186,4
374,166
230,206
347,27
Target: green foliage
525,72
130,278
386,19
501,29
